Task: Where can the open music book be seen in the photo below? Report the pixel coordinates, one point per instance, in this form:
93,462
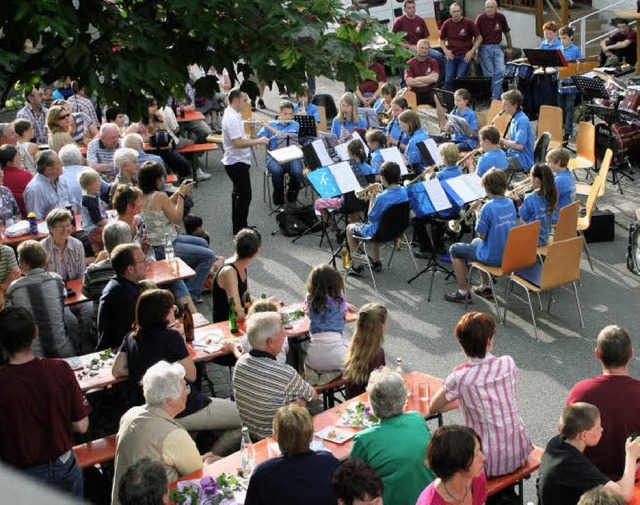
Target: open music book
393,154
341,149
337,179
429,152
428,197
464,189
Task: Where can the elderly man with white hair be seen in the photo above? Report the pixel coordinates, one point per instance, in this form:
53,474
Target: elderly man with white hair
100,151
261,384
134,141
150,430
125,160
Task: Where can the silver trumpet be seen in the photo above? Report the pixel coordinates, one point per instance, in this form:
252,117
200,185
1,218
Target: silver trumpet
467,217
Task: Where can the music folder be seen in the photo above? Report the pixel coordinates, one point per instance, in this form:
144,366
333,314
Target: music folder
316,155
464,189
429,152
428,197
286,154
462,126
393,154
337,179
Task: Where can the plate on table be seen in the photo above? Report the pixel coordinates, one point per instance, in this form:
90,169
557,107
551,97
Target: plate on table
210,341
335,435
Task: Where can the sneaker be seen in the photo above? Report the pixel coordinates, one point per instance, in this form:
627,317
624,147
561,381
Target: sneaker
260,103
458,298
376,266
356,271
203,176
483,292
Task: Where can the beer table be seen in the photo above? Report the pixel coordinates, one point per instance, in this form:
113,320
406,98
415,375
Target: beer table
189,115
43,232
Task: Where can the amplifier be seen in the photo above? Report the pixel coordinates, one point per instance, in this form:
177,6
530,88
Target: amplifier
602,227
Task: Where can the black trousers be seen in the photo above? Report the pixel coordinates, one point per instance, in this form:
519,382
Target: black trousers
241,195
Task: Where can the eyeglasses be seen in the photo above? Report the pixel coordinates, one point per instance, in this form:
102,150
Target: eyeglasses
64,116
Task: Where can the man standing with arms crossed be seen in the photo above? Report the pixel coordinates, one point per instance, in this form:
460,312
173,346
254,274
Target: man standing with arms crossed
491,24
237,157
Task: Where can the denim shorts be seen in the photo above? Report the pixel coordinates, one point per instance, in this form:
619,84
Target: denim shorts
464,251
356,230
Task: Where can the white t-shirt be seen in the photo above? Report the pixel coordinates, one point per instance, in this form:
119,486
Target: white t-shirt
233,128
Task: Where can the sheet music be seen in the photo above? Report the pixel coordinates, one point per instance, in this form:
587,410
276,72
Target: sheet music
321,151
324,183
344,176
438,197
356,135
286,154
393,154
432,147
462,126
468,187
341,150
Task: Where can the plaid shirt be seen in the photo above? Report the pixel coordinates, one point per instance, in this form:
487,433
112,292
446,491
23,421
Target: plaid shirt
39,123
68,264
78,103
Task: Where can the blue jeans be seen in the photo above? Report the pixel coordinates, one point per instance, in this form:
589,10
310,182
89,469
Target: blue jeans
456,67
294,169
66,476
492,64
439,57
567,103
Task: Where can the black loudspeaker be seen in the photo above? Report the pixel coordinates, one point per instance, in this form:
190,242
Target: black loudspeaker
602,228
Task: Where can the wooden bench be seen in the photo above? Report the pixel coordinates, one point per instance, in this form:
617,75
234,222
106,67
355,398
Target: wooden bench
497,484
96,452
329,392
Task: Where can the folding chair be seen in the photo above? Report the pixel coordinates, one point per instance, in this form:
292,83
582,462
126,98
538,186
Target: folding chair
585,221
411,99
550,120
565,228
323,118
519,252
561,267
603,173
500,122
393,224
585,149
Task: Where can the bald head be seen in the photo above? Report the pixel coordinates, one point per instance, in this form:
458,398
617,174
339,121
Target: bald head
110,135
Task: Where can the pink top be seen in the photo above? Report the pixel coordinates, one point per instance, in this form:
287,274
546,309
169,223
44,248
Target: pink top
479,493
487,390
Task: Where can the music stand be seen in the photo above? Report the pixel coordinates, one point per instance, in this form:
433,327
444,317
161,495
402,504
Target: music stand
286,140
545,57
445,98
607,114
307,125
370,117
479,87
591,87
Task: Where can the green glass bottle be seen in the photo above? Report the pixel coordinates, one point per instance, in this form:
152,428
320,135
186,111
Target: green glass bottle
233,316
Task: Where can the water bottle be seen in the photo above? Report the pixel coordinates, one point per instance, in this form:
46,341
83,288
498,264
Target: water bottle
247,454
168,248
33,223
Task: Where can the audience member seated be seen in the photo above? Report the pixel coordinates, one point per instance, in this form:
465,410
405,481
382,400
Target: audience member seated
299,474
81,128
134,141
162,214
42,293
565,473
378,205
395,448
413,135
459,40
422,74
492,156
369,90
144,482
9,270
93,209
100,151
356,483
455,456
8,134
617,395
42,407
28,150
9,210
78,102
558,161
125,160
35,112
601,496
47,190
14,178
621,44
153,340
520,144
347,119
151,431
261,384
487,390
58,124
116,310
72,166
117,116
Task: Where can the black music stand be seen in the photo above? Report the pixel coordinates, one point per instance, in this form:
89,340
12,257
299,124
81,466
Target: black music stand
307,125
607,114
545,57
433,265
286,139
445,98
591,87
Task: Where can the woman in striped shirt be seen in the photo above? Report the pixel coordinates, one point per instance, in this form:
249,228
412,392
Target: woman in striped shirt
486,388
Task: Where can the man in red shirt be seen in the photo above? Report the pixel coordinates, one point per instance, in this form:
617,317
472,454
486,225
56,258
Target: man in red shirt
617,396
369,90
41,406
623,44
491,24
422,74
459,40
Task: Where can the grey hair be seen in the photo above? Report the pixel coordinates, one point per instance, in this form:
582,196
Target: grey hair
263,326
115,232
70,155
387,393
3,128
45,159
133,140
162,382
124,155
108,126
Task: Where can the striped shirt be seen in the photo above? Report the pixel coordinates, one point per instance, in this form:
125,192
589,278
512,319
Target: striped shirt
69,263
78,103
42,195
487,391
96,153
82,123
41,133
261,386
7,261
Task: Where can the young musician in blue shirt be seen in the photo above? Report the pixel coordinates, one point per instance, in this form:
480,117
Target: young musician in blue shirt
541,203
383,103
521,142
410,124
347,119
551,40
357,152
566,88
492,156
461,98
558,159
376,141
270,130
493,222
393,194
395,135
305,106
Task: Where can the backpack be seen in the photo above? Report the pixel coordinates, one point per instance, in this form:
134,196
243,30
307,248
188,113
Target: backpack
294,221
160,139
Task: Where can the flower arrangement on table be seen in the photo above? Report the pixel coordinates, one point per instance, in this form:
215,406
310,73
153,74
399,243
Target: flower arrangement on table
358,415
209,490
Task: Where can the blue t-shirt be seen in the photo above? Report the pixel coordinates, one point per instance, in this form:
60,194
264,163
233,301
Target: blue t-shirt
291,127
444,174
566,191
312,110
365,168
394,130
388,198
491,159
556,44
376,161
521,133
571,53
412,152
535,208
337,126
329,318
470,117
496,218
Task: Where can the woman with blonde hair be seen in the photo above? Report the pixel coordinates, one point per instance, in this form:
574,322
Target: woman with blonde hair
347,119
365,352
59,124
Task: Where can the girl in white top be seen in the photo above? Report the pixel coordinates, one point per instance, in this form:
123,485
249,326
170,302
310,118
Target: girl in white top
26,148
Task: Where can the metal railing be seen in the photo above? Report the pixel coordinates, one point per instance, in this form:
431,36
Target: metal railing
582,24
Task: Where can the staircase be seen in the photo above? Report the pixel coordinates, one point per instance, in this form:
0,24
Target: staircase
595,26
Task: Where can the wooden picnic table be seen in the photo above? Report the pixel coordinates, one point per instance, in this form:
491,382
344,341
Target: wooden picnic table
189,115
43,232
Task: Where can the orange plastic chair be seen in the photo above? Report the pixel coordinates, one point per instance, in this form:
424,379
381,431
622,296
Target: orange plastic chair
603,173
561,267
550,120
585,148
585,221
566,228
519,252
323,118
411,99
482,119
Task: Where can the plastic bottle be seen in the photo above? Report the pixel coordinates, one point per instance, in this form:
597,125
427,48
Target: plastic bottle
187,323
169,253
233,316
33,223
247,453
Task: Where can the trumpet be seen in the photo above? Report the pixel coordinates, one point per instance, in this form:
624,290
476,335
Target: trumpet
423,174
467,217
384,118
476,152
521,188
368,191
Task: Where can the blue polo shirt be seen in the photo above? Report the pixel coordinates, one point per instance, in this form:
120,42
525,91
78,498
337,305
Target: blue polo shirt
291,127
312,110
376,161
496,218
444,174
534,208
412,152
521,133
571,53
470,117
388,198
556,44
496,158
365,168
566,191
394,130
336,127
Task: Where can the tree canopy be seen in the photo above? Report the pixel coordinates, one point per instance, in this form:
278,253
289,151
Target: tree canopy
121,47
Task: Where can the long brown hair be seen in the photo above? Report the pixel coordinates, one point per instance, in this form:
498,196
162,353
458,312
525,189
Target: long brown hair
547,187
151,311
324,282
366,342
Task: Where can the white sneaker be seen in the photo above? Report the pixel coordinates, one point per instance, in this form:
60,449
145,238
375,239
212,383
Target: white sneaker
203,176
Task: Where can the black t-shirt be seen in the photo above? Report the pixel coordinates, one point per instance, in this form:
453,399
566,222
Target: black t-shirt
219,295
162,344
565,474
